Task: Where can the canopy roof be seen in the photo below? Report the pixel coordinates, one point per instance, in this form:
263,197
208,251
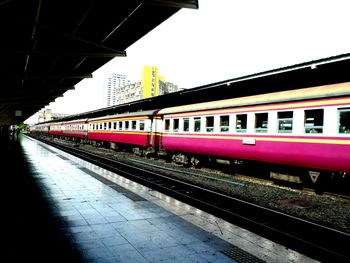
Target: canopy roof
49,46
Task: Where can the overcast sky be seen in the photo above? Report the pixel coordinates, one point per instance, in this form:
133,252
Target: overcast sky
225,39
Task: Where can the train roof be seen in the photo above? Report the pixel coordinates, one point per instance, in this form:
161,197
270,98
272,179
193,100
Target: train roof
75,121
325,91
124,115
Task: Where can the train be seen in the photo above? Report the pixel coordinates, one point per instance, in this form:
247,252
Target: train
303,134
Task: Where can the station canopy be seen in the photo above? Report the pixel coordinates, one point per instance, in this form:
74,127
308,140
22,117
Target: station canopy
48,46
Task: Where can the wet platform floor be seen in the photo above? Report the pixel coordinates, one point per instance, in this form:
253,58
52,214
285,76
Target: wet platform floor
59,208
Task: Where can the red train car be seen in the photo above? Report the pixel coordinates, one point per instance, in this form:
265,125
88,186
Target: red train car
134,129
55,128
76,129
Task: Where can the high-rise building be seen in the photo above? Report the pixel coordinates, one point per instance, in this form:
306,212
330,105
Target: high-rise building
112,83
150,81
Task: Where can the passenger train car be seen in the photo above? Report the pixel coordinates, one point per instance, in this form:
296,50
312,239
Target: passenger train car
137,130
305,130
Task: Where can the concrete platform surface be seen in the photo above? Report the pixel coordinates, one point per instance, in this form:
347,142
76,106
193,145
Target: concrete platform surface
64,209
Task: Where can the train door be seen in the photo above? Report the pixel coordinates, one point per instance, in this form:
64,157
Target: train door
155,132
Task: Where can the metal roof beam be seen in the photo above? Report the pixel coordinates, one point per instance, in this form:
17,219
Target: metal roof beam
33,39
174,3
67,53
113,31
54,87
73,76
29,99
87,42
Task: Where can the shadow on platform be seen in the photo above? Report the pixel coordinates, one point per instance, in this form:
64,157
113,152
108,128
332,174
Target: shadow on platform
30,230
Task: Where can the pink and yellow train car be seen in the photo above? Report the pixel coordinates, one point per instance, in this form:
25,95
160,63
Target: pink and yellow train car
307,128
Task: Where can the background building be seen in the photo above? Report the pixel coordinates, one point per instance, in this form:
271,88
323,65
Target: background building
130,92
151,85
150,81
111,85
166,87
48,115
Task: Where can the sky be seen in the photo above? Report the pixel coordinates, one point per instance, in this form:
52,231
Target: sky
223,39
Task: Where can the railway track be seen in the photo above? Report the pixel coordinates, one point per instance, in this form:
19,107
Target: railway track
244,178
316,241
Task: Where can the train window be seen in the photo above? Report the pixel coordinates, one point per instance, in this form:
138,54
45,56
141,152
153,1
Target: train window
261,123
101,126
241,123
313,121
176,125
224,123
109,125
105,125
142,125
167,125
285,121
186,123
344,120
197,124
126,125
120,125
133,125
209,123
114,125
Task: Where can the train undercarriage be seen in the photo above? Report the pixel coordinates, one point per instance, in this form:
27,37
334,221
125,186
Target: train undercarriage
296,177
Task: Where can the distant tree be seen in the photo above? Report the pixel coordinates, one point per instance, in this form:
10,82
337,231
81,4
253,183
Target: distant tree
22,127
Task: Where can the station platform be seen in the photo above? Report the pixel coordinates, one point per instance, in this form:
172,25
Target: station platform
59,208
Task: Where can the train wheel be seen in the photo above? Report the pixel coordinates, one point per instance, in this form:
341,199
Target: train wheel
195,162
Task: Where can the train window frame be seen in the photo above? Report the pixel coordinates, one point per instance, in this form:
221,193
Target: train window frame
115,125
261,124
109,125
238,119
126,125
142,125
309,127
224,128
133,125
197,121
285,121
176,125
120,125
209,123
167,125
186,124
343,129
